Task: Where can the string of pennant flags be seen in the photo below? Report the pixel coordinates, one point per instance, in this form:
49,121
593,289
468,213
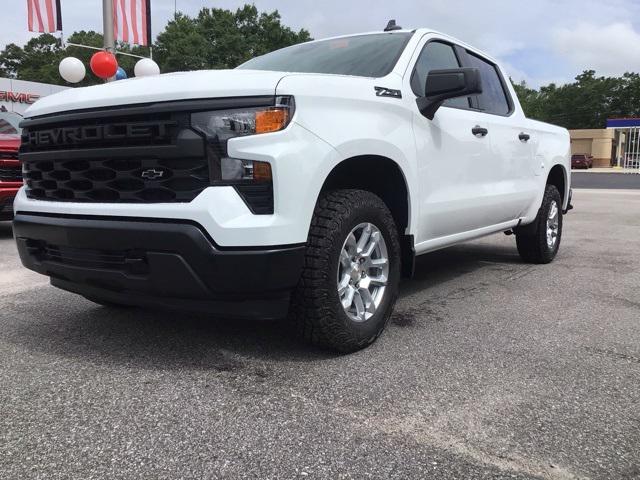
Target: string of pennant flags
131,19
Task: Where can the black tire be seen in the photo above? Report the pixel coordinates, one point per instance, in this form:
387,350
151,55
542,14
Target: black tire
532,239
106,303
316,311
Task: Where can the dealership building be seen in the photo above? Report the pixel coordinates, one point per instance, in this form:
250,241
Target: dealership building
618,145
17,95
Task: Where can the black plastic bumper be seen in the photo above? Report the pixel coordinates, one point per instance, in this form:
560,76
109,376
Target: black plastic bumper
161,263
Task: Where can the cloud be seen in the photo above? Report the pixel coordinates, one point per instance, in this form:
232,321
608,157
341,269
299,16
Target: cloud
610,50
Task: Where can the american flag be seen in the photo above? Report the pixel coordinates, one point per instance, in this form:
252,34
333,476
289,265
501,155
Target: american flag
45,16
132,21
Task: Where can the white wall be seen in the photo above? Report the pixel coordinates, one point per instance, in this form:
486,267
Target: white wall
15,95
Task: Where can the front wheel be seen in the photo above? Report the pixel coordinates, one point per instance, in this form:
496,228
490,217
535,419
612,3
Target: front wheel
540,241
349,282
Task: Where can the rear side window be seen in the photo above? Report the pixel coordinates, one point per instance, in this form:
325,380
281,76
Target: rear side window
435,56
493,98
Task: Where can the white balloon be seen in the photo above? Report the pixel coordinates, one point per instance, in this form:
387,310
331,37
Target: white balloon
72,69
146,68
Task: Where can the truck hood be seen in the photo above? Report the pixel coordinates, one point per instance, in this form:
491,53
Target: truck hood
167,87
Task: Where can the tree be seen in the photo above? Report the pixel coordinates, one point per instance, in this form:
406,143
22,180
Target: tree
215,38
585,103
36,60
218,38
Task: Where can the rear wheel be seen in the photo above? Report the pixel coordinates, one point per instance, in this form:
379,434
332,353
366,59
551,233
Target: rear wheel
349,283
540,241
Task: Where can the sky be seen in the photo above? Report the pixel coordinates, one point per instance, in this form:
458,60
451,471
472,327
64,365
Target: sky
539,41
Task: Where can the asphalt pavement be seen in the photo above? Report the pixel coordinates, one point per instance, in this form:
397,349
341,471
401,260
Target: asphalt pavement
615,181
491,368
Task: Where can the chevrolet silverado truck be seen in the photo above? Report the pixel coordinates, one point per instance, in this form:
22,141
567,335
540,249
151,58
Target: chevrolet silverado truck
300,185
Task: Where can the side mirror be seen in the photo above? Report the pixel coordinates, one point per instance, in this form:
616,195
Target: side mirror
442,85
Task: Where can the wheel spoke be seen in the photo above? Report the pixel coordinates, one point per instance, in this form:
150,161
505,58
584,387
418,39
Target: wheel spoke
344,283
345,258
380,280
364,238
371,246
369,304
376,264
357,300
351,244
347,300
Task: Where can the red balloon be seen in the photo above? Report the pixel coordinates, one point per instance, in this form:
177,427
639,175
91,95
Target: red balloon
104,64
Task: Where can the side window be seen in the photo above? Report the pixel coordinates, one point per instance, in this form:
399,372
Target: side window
435,56
493,98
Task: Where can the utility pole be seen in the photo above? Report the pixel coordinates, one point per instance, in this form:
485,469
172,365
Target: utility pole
107,25
107,28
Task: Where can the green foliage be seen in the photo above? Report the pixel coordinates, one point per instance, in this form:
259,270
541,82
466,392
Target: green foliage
215,38
38,60
585,103
218,38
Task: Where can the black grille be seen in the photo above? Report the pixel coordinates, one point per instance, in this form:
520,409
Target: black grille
10,174
8,155
132,159
128,261
117,180
10,170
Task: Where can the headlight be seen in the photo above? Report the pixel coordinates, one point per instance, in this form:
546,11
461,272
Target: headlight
218,126
226,124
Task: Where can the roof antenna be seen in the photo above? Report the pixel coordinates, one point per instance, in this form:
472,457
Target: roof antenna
391,26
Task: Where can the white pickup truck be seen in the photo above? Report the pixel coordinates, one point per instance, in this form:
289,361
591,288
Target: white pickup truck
302,183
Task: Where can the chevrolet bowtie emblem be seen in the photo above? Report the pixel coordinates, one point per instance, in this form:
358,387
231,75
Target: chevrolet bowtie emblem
152,174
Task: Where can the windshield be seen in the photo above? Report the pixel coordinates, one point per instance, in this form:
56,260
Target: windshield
9,123
363,56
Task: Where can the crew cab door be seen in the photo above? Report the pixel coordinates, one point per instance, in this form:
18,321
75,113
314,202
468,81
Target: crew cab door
514,184
458,171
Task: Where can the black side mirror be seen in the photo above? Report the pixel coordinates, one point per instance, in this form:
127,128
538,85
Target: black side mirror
442,85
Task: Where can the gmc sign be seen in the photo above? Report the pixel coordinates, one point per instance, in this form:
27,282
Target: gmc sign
16,97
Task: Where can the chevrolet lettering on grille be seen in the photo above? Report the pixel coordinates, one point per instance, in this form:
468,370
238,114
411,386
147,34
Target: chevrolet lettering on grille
95,133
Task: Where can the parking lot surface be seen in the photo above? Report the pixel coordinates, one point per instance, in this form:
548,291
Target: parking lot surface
491,368
589,179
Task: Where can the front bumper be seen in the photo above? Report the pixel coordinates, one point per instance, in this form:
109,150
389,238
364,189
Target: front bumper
158,263
300,163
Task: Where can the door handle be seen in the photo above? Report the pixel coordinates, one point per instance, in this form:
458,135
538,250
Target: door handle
524,137
479,131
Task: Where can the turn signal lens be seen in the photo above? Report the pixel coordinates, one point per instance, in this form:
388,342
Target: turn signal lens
271,120
261,171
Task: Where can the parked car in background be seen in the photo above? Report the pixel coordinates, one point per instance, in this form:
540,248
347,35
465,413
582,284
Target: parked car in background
581,161
10,170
